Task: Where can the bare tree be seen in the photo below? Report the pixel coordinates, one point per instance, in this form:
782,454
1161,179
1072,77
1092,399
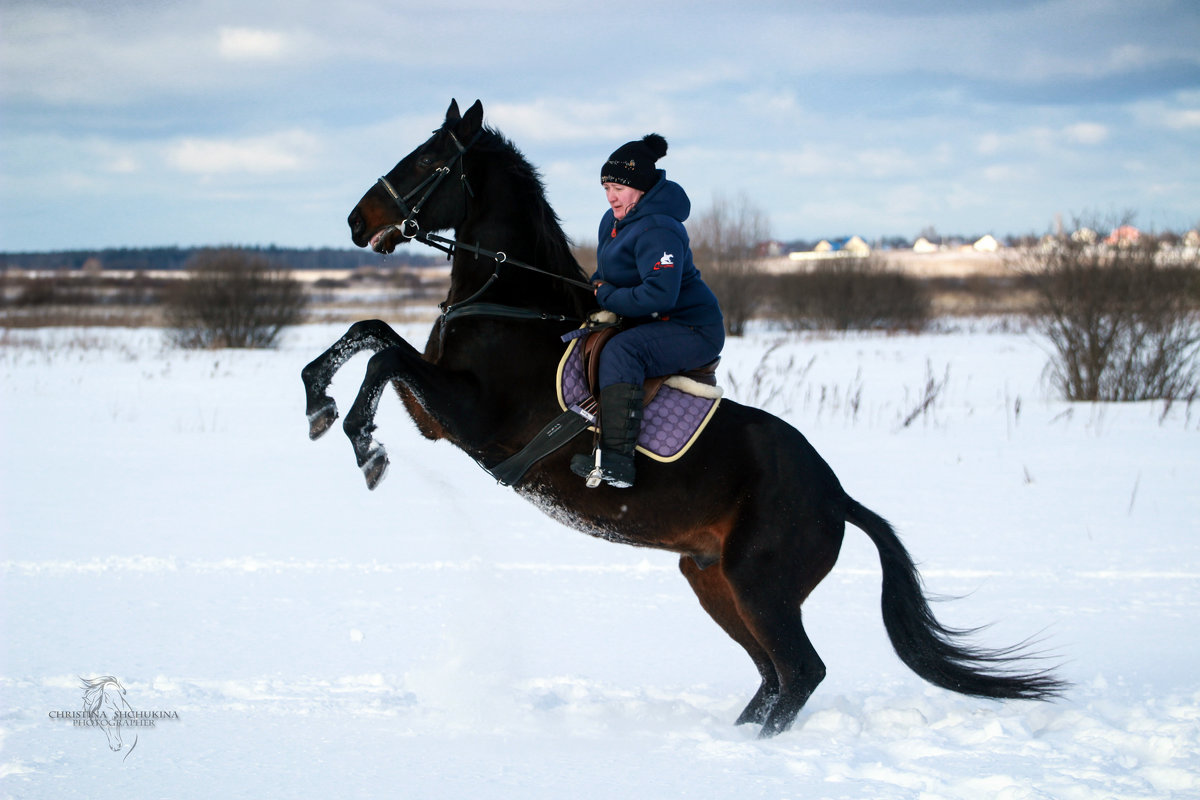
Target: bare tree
725,245
1122,325
232,299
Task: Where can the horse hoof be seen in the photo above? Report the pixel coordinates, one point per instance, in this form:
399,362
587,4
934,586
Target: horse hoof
375,467
759,708
322,419
781,716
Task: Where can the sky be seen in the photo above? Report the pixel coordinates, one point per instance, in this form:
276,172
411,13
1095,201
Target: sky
147,123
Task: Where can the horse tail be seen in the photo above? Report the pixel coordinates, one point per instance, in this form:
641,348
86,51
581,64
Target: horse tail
933,651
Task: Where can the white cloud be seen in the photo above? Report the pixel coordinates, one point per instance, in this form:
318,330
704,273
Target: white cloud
282,152
249,44
1182,119
1004,173
885,163
990,144
1041,140
806,162
557,121
1179,113
1086,133
123,165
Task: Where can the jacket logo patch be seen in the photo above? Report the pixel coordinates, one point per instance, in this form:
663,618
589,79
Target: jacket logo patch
667,260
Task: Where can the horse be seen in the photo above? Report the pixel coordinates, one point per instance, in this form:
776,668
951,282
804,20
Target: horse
754,512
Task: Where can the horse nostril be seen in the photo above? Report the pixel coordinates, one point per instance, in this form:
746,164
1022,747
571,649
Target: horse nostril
356,222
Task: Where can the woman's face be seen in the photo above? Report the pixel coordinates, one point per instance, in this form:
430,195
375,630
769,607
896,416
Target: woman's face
621,198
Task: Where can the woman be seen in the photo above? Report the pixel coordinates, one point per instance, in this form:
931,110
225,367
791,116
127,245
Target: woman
645,274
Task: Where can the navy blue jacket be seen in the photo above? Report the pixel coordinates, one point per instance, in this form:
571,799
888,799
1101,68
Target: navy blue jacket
646,263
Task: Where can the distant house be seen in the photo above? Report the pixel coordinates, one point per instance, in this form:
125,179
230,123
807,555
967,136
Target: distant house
923,245
1123,236
848,246
856,246
986,244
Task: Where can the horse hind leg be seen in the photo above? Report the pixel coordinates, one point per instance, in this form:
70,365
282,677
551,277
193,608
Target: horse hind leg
716,597
321,409
769,579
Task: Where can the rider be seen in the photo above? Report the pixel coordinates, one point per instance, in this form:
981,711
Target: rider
645,274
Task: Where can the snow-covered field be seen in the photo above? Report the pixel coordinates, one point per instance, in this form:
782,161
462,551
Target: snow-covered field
166,521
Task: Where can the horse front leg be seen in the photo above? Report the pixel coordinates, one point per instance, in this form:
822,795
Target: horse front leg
321,409
448,400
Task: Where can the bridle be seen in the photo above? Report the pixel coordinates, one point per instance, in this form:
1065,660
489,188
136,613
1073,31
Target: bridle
409,228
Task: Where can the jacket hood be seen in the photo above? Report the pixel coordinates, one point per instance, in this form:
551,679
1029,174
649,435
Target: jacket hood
666,197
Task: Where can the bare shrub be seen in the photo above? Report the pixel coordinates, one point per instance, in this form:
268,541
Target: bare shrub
585,254
853,294
232,299
52,289
725,241
1121,322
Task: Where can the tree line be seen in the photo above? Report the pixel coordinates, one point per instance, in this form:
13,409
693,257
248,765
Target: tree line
176,258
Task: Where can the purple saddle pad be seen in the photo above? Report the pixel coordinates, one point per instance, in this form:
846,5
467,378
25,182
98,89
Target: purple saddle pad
673,420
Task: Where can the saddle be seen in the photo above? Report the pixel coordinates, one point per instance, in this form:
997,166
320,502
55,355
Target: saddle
594,342
681,408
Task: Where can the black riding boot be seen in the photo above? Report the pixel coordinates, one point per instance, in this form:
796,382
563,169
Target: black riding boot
620,422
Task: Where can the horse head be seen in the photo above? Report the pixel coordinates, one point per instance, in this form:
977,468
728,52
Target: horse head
469,178
422,183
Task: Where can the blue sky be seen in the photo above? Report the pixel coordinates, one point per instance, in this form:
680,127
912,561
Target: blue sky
137,123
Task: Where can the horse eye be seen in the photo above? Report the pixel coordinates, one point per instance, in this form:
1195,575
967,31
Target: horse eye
426,161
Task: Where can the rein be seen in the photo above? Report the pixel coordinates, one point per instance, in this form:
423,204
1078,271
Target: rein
471,308
448,246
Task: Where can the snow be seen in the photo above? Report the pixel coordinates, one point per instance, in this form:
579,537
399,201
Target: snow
165,520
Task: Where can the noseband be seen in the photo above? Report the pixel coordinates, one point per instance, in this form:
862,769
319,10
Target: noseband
409,228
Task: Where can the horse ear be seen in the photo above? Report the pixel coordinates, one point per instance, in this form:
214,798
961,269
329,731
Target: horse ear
472,122
452,115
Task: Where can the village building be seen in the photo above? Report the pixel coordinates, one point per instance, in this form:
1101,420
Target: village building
986,244
1123,236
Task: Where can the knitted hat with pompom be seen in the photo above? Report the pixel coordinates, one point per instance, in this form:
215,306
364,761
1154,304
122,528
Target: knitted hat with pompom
632,164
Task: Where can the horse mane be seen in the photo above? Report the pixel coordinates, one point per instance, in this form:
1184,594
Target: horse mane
551,245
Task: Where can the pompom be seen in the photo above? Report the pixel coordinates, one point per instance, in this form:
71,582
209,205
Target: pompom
657,145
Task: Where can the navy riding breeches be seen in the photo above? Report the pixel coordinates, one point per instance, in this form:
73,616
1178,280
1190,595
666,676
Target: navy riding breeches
661,347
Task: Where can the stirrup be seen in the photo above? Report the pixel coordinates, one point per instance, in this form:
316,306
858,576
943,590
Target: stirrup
596,476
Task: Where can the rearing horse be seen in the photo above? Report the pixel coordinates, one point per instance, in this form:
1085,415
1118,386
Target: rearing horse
756,515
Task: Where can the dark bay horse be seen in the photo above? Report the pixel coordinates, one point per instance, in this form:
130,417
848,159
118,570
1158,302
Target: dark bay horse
756,515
